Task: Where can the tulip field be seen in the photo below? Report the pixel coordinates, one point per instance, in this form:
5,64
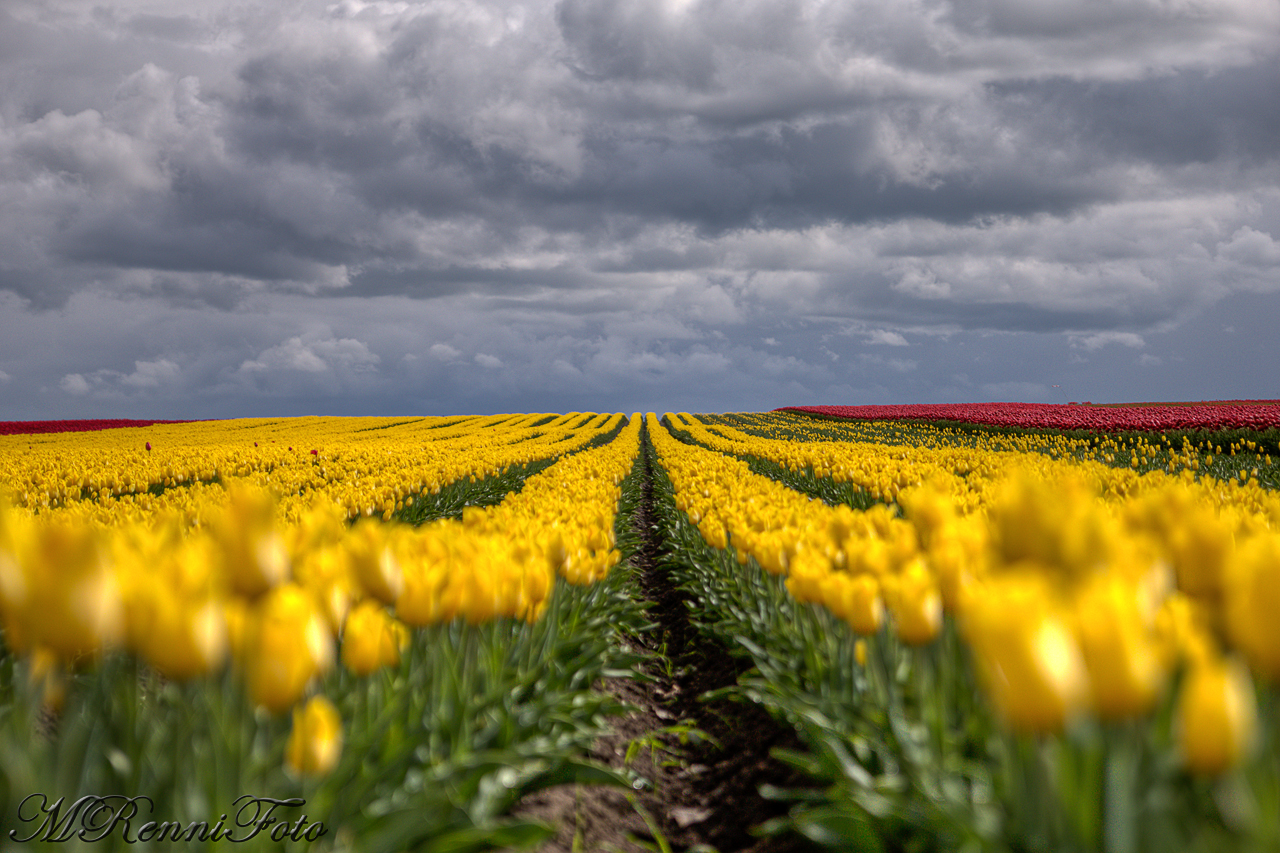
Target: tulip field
1002,627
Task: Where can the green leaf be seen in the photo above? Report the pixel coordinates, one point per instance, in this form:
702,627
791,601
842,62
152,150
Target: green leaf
397,830
803,795
573,771
834,828
807,763
518,834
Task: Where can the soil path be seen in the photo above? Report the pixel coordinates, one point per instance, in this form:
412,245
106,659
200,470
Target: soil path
704,795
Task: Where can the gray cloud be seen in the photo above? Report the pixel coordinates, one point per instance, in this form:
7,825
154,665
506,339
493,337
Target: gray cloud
562,199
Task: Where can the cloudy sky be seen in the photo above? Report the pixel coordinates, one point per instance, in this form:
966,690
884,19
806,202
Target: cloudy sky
218,209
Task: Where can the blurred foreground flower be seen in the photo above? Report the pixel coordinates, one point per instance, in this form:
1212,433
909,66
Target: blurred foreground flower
253,555
917,605
315,744
59,589
1026,654
1217,717
286,643
1252,599
1119,642
371,639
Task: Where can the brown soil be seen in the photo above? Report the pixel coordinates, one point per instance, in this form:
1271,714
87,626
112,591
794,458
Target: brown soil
703,796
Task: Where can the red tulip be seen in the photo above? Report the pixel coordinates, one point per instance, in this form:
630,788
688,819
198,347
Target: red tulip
1227,414
38,427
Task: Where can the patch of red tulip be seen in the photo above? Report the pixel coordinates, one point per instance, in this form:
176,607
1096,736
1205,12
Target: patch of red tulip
1251,414
36,427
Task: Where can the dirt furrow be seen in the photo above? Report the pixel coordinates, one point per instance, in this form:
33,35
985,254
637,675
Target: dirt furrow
705,761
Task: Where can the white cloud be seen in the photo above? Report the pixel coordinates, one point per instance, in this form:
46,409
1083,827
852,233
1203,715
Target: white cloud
565,368
489,361
1251,247
886,337
74,383
707,362
922,284
113,384
150,374
4,377
314,355
444,352
1098,340
777,366
83,148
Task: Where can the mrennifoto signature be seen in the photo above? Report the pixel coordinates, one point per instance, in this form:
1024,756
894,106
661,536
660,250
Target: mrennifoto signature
97,817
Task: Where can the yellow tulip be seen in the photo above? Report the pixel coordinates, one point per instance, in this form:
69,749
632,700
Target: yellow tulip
1217,716
315,743
236,614
932,510
864,607
1121,653
65,593
253,554
1201,547
187,638
286,644
917,605
805,579
1181,630
47,675
13,581
373,562
1251,602
1057,526
325,570
370,639
957,558
1025,653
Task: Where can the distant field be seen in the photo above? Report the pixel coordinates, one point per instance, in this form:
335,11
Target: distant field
38,427
879,628
1151,416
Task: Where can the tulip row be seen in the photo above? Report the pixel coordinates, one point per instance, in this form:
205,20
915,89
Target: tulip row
1084,595
369,466
1243,456
1250,415
978,513
881,457
455,617
41,427
173,597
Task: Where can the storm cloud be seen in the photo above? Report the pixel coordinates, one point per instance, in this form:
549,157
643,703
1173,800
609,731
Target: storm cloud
208,209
